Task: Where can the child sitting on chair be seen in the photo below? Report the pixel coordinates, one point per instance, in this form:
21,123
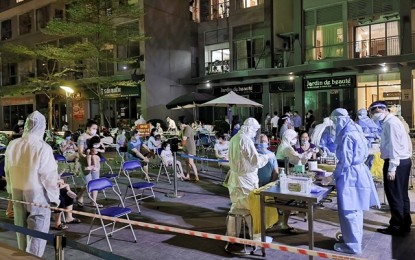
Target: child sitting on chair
167,157
92,155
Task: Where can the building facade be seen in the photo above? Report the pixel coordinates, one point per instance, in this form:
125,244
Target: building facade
314,54
163,58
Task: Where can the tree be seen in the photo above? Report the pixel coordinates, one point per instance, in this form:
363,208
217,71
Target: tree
92,30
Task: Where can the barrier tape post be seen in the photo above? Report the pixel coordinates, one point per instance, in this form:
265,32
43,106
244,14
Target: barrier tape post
174,194
59,243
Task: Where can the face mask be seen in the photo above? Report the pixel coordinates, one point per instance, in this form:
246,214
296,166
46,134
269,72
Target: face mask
68,138
251,133
268,116
93,131
96,145
304,142
263,146
168,148
378,116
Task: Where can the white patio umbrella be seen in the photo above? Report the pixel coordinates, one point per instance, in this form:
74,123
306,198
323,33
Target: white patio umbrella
229,100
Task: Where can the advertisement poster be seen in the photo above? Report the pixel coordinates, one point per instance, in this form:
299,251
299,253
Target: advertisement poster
78,111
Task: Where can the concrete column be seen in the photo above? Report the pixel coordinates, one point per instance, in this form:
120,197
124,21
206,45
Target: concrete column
265,101
405,26
299,95
407,105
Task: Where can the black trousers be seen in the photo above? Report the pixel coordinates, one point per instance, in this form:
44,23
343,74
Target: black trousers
397,194
274,132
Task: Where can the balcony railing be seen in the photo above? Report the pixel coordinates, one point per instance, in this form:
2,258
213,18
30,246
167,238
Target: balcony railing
386,46
217,67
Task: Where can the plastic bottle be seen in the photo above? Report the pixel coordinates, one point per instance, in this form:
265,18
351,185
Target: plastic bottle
282,173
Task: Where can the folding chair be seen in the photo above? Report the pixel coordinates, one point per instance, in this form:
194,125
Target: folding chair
60,159
110,175
114,212
162,166
128,167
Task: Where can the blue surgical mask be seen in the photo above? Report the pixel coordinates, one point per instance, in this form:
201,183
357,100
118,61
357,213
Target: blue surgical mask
68,138
263,146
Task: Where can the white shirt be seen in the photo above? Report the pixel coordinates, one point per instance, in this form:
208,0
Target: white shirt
274,121
395,143
222,149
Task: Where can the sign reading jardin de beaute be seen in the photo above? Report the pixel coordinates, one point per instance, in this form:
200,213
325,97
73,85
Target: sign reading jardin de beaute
241,89
333,82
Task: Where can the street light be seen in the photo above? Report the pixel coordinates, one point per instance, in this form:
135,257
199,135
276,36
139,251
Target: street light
68,92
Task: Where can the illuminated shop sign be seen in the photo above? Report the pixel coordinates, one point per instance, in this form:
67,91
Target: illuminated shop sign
332,82
241,89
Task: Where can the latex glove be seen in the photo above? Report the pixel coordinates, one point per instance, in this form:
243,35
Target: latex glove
391,175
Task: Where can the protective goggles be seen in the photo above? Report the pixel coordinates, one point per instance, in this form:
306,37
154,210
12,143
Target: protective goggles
374,109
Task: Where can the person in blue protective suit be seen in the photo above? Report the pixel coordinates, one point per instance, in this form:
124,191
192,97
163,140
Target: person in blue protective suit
355,188
370,129
327,140
396,151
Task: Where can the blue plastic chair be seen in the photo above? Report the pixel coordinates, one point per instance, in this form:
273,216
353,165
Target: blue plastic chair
129,167
116,212
60,159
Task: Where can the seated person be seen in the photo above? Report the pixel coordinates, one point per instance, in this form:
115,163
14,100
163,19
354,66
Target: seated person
221,148
66,198
235,128
167,157
69,149
306,147
269,173
154,142
134,149
92,155
159,129
3,182
121,141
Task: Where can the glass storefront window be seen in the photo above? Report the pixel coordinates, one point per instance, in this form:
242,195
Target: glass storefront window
282,102
323,102
373,87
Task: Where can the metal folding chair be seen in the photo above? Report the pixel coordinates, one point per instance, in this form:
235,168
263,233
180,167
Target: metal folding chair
114,212
129,167
63,163
110,174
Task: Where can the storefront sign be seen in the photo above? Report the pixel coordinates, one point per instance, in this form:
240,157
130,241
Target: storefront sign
391,94
242,89
111,91
333,82
144,129
17,101
281,86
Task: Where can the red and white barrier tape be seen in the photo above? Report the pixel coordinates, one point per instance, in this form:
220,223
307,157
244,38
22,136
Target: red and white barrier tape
278,247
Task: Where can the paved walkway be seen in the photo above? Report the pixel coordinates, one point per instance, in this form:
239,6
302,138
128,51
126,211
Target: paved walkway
204,207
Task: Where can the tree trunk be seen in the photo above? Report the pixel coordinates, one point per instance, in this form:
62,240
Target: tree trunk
101,108
50,113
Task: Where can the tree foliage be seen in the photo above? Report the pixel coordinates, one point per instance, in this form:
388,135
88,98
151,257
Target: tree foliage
91,31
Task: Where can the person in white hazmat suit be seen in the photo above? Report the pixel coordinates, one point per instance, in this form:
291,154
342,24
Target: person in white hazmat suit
355,188
32,176
244,162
